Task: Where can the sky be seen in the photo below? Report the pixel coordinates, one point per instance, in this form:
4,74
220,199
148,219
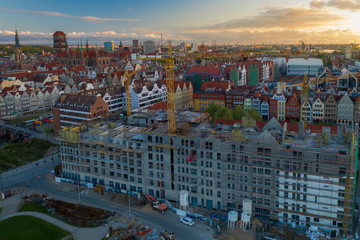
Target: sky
226,21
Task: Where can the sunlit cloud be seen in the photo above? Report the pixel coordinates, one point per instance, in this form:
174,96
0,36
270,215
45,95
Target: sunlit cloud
250,36
82,18
277,17
353,5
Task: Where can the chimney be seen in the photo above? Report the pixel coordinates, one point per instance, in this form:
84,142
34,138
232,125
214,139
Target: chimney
340,134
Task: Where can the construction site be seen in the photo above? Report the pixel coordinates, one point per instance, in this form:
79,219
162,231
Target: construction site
74,214
292,176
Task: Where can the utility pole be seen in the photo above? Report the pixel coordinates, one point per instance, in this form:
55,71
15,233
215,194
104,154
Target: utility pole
79,188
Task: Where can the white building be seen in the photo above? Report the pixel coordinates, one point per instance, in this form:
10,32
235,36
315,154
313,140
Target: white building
298,66
318,108
315,196
308,106
143,97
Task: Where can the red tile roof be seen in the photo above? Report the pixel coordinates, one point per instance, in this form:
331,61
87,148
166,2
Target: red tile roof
217,85
204,70
59,33
158,106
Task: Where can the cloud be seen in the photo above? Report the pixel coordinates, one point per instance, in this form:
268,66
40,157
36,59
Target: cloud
352,5
82,18
277,17
250,36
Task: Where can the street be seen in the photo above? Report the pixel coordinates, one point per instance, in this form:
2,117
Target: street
33,133
158,222
31,170
27,178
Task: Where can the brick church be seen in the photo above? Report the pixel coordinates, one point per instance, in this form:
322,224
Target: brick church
70,57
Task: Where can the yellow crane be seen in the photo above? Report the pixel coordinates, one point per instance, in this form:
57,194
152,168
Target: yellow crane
126,78
169,73
304,94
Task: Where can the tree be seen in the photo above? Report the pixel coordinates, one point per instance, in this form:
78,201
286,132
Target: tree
238,113
254,114
224,113
212,109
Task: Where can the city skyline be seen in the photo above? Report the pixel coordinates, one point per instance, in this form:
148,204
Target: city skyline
274,21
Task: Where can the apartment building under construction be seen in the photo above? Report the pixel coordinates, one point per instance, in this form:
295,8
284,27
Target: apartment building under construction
303,178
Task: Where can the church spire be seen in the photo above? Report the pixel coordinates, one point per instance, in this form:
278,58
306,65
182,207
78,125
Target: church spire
87,45
17,41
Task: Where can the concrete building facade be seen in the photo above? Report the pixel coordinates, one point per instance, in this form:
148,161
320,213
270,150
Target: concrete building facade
298,181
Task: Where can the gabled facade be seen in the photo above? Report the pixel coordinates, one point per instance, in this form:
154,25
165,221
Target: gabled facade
306,111
265,108
293,108
330,109
281,103
345,113
318,110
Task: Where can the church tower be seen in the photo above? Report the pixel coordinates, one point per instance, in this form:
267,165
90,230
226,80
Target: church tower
60,42
18,52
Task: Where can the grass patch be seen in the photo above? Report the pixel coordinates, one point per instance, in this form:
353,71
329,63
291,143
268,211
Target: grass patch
32,207
30,228
24,119
16,154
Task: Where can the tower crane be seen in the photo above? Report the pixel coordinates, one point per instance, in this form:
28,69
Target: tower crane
126,79
304,93
169,73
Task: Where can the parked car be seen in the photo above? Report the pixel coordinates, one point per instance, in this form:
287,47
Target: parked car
143,230
187,221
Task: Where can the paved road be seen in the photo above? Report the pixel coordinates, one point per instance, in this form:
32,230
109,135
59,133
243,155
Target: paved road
157,221
29,171
31,132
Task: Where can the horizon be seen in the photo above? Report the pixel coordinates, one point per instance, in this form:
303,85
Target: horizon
230,22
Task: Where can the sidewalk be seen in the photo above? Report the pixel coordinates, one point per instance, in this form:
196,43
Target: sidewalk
10,205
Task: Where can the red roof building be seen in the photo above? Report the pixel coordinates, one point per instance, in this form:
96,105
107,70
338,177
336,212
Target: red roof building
293,108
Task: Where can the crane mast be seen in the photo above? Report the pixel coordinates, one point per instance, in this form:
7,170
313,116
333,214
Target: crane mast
169,71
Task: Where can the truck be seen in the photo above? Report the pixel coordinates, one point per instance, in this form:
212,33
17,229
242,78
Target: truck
156,204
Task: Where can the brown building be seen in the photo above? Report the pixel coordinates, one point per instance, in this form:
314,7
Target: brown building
273,108
293,108
70,57
60,43
73,109
357,109
330,109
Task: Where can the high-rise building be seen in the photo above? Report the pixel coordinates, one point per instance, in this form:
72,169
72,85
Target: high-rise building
149,47
60,43
135,43
109,46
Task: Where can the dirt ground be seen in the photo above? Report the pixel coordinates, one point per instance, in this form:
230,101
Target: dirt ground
77,215
235,234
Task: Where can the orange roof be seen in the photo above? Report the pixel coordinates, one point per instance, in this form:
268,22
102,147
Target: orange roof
217,85
204,70
158,106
